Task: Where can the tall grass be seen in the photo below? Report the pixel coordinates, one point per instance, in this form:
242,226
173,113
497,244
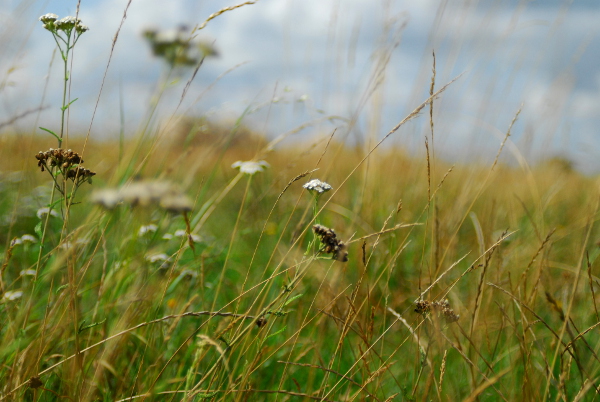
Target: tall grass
474,281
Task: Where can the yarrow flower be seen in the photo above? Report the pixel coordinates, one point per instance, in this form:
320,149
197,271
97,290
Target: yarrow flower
250,167
317,186
183,233
66,24
27,238
147,229
157,257
48,20
45,211
11,295
144,193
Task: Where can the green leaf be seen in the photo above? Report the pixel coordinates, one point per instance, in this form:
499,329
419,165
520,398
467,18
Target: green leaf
65,107
62,287
292,299
277,333
83,328
207,395
51,132
38,229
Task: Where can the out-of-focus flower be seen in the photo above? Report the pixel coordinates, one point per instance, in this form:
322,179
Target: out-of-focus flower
177,47
183,233
11,295
176,203
317,186
107,197
44,211
152,228
157,258
189,274
250,167
144,193
27,238
27,272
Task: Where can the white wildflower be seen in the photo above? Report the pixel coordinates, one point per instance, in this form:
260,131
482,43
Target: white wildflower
318,186
183,233
176,203
44,211
27,238
152,228
167,236
50,17
27,272
10,295
188,274
108,198
15,242
251,167
67,23
80,28
157,257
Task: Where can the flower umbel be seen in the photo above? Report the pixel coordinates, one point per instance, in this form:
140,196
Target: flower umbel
317,186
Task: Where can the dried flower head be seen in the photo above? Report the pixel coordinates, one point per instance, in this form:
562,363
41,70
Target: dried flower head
261,322
331,244
67,161
250,167
35,382
317,186
443,308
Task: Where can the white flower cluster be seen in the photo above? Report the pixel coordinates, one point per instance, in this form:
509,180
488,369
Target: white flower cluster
317,186
66,24
250,167
144,193
26,238
11,295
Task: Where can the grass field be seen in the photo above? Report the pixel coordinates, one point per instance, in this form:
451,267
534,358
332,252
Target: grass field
175,276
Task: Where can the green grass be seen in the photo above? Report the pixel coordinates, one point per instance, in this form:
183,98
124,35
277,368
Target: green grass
332,322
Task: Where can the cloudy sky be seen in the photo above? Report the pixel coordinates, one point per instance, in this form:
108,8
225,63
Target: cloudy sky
294,61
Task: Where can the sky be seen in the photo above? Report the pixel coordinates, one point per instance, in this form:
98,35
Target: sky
284,63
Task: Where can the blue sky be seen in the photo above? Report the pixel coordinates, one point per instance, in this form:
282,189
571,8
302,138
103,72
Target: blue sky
299,60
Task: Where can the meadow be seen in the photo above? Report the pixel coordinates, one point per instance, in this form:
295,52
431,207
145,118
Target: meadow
206,264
